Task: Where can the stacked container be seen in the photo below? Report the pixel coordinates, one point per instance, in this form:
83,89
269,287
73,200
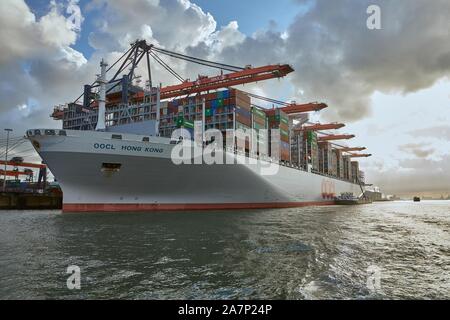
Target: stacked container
226,109
334,162
277,119
347,167
304,149
339,165
325,155
354,171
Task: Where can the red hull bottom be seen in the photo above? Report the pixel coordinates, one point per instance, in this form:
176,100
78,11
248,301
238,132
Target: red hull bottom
131,207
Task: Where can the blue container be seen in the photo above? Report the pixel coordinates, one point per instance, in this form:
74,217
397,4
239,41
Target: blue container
243,112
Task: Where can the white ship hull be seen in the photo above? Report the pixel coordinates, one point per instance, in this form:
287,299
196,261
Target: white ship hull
149,180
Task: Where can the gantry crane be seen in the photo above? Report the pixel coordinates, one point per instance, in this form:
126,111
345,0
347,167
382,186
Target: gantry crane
131,59
27,172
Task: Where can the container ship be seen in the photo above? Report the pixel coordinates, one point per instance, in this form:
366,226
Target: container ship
115,150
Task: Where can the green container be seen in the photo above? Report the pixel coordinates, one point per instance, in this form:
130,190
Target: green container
208,112
258,126
259,113
312,136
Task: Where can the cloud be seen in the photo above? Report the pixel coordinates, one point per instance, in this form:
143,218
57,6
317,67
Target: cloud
38,66
439,132
414,175
175,24
418,149
339,60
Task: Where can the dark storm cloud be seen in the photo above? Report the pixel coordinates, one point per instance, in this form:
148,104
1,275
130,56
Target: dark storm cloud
340,60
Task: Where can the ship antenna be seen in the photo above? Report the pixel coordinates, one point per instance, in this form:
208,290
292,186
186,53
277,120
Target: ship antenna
102,99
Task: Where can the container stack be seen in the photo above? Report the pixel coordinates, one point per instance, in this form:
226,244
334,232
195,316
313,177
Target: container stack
362,177
339,164
259,121
304,149
347,167
334,162
277,119
226,109
355,171
325,155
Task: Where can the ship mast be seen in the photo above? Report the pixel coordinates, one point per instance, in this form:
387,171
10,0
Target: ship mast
102,99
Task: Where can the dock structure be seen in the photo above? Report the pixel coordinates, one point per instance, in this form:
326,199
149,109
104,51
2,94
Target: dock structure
29,201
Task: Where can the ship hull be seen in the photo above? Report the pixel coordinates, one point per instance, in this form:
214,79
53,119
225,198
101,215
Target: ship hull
148,180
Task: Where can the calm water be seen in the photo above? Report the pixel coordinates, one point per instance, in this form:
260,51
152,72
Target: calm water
306,253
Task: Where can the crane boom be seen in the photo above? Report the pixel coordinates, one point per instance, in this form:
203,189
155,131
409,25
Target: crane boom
361,155
226,80
23,164
332,137
12,173
349,149
322,126
300,108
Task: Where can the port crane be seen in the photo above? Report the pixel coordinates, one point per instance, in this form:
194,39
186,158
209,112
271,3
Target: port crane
26,172
23,164
236,76
131,59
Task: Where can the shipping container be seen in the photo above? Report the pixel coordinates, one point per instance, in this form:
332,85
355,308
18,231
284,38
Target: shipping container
354,171
325,157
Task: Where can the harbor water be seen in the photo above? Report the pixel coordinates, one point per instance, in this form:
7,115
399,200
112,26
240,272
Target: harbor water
390,250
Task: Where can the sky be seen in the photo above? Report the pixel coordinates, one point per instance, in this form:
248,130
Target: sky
391,86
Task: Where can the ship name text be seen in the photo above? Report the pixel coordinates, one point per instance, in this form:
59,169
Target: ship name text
110,146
